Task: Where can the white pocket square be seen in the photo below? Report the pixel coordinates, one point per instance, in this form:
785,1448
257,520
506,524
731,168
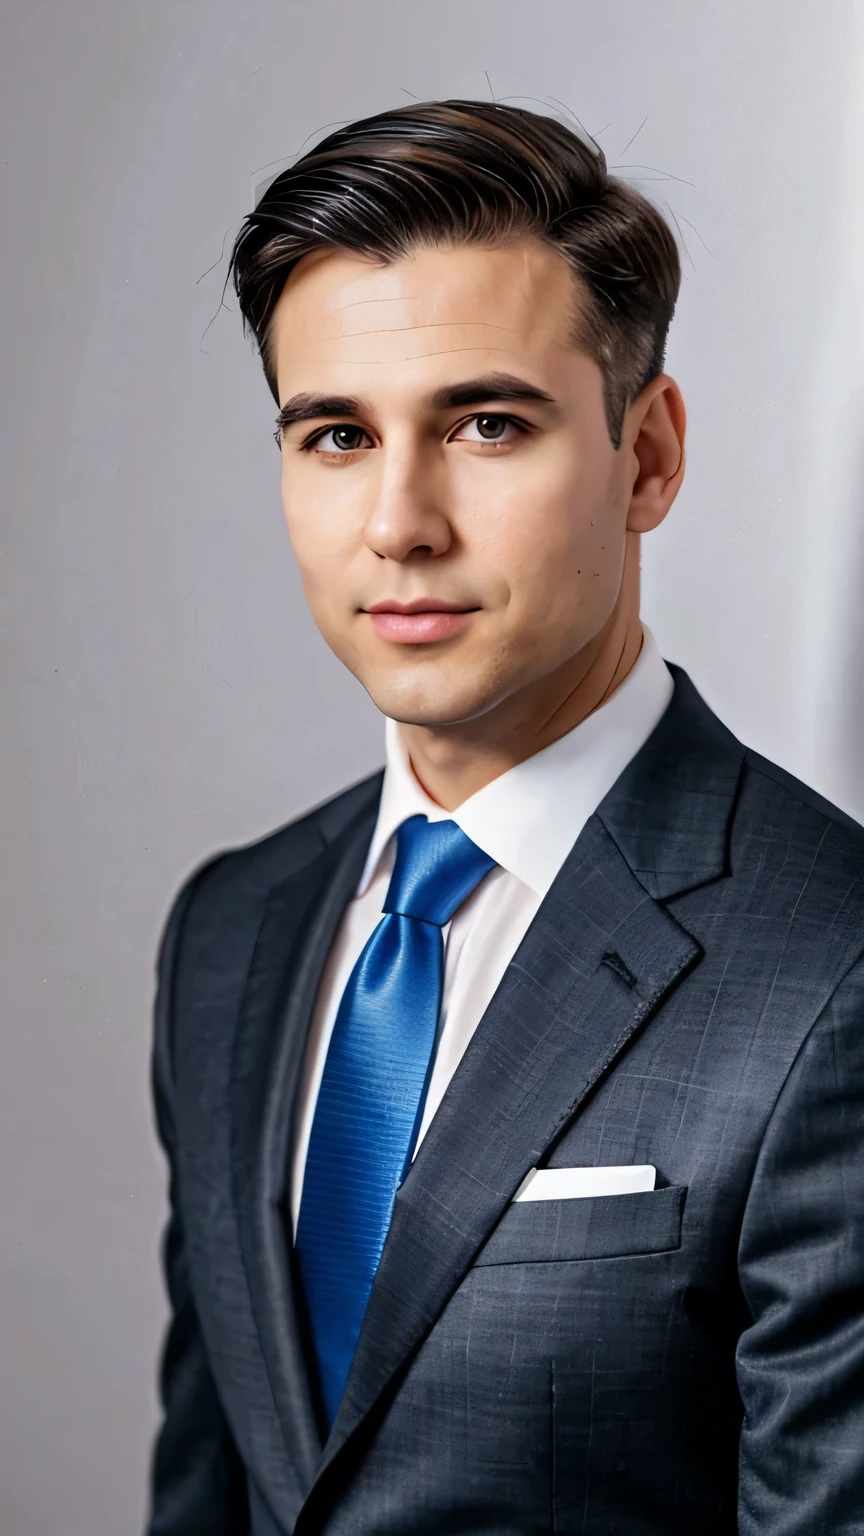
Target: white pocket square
577,1183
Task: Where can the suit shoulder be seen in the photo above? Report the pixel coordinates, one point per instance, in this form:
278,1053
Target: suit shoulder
790,796
257,866
325,822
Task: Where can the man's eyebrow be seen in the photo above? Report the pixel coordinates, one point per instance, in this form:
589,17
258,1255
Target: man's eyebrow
306,407
490,386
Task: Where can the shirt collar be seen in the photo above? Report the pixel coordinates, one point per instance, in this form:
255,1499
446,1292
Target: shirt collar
528,819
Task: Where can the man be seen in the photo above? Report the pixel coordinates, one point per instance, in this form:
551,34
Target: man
513,1099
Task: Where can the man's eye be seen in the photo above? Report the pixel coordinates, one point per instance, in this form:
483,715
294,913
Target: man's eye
488,429
340,440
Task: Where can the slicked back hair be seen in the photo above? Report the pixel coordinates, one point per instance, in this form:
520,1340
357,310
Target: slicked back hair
447,173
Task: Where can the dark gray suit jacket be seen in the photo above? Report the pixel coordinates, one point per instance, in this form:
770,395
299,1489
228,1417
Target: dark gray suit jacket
690,994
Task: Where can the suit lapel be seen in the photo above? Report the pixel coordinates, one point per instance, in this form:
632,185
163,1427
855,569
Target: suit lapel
263,1091
670,811
253,975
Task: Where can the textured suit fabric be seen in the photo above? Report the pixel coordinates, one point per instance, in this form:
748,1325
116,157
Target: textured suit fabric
690,994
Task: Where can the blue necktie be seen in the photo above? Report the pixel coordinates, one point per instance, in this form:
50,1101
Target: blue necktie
370,1103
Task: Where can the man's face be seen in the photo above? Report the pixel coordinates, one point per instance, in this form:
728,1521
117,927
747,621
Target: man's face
452,458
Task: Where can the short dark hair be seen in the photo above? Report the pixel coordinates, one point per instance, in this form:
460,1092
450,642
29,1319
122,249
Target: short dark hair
453,172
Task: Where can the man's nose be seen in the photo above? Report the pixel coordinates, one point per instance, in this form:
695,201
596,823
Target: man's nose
410,515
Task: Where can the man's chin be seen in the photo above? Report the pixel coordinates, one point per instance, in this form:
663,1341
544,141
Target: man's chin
440,705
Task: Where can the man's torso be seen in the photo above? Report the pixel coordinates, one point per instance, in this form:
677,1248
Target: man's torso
562,1365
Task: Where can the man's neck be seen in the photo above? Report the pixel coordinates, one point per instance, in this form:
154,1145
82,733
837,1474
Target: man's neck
453,762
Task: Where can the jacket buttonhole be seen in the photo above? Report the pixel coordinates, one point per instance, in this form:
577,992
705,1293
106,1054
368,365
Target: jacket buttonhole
616,964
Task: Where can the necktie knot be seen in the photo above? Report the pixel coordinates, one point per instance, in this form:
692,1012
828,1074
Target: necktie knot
437,867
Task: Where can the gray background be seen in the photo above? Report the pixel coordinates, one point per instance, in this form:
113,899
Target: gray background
164,692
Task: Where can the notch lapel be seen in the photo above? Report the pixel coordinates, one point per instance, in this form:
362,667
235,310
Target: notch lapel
263,1092
670,811
254,973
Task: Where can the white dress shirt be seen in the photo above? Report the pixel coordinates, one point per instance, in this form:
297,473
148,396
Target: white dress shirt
527,820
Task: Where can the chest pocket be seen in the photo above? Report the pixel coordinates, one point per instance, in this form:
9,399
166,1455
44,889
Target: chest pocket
598,1227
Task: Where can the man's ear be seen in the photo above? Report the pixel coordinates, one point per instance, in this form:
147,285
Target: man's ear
654,425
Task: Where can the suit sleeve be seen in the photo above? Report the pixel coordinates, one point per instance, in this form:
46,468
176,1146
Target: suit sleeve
801,1263
197,1480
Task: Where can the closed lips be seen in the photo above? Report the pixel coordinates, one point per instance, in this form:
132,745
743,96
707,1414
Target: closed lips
420,622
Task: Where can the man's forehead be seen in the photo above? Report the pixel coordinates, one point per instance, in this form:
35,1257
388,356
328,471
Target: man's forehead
498,302
508,288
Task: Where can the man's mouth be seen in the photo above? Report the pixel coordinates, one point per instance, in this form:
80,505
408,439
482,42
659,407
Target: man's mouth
420,622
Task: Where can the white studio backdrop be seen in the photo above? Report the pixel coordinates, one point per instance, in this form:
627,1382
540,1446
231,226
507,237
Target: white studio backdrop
165,693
